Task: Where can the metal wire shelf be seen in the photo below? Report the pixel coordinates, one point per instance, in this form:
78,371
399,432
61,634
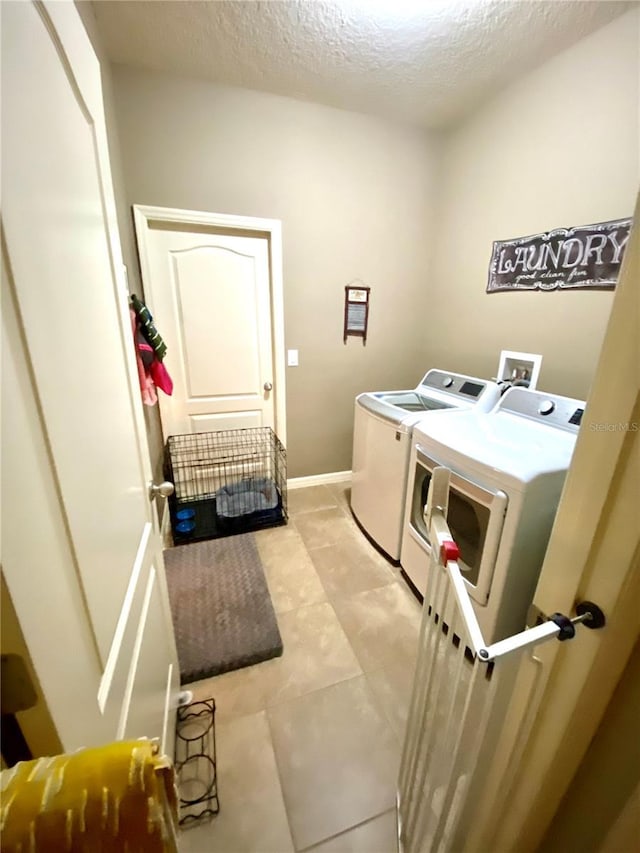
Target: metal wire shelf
195,760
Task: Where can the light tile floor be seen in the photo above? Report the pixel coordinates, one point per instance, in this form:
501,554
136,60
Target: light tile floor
309,743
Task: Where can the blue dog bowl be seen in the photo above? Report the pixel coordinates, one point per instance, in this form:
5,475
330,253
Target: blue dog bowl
185,514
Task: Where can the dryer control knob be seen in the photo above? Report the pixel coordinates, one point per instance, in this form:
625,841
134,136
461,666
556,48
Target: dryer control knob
546,407
447,382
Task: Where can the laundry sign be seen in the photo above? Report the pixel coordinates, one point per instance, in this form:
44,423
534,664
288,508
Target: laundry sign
587,256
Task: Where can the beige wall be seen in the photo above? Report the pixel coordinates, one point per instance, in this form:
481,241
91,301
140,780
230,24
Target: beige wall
356,197
360,199
558,148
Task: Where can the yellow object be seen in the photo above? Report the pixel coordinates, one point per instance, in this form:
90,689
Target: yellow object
111,799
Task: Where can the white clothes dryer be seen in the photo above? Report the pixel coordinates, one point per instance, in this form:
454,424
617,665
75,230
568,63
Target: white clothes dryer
508,469
383,427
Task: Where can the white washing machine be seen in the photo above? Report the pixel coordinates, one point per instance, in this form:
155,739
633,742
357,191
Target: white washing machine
508,469
383,427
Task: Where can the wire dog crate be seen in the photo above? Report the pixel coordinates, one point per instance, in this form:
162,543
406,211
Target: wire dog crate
226,482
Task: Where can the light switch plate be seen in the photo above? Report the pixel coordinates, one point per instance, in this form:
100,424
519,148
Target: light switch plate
292,358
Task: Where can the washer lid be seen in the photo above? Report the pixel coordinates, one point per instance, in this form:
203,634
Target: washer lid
437,391
411,401
400,407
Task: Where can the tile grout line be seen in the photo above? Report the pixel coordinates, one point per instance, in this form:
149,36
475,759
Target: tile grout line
379,665
307,693
379,705
279,772
372,695
363,672
281,702
275,753
314,689
299,512
344,831
342,681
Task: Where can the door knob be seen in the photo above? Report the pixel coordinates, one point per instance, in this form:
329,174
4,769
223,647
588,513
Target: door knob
162,491
267,386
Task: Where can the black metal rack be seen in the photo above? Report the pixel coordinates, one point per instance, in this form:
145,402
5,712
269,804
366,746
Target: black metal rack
195,760
226,482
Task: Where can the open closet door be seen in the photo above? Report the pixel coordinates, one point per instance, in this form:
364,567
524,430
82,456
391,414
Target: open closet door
81,552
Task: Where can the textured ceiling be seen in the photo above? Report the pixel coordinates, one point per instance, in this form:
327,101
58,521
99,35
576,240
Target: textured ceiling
428,62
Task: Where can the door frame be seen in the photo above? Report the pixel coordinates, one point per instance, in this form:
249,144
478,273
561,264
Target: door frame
243,226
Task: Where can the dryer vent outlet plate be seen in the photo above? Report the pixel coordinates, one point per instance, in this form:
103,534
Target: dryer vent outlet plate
519,368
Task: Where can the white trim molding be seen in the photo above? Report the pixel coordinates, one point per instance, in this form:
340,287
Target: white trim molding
319,479
271,228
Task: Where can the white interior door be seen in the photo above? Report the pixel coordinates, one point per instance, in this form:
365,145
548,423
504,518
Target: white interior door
81,551
210,294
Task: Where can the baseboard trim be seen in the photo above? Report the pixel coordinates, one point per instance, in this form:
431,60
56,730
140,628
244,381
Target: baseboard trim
319,479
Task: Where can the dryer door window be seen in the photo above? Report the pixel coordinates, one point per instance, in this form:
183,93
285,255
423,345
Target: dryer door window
475,519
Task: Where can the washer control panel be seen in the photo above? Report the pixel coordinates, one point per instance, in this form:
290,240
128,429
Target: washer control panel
466,387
